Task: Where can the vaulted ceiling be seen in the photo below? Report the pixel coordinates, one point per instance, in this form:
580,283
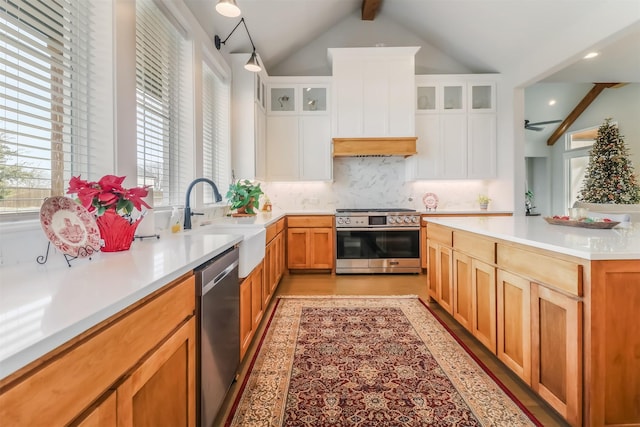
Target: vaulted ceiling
530,39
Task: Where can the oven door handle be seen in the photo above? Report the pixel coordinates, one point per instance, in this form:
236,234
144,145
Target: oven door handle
380,229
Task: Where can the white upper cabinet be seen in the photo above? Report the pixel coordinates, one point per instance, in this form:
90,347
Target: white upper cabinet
456,127
298,125
374,92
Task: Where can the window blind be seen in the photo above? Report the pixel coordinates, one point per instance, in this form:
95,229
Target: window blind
44,99
215,129
164,144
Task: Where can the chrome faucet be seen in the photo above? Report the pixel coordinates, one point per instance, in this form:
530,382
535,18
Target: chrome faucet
187,206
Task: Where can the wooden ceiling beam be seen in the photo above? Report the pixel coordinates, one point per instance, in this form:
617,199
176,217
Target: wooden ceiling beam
582,105
369,9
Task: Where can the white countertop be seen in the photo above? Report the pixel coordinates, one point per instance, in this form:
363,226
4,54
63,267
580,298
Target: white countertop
587,243
43,306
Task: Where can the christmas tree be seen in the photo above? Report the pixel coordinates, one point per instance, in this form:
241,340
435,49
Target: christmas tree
609,177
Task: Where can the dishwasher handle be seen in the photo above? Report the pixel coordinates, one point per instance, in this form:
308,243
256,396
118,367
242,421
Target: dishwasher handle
224,273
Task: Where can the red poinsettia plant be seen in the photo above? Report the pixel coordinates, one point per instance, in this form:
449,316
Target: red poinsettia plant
108,193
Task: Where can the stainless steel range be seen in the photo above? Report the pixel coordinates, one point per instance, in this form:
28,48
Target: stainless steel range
377,241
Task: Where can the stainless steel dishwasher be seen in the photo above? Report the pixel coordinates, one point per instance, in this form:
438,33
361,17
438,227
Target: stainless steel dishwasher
218,315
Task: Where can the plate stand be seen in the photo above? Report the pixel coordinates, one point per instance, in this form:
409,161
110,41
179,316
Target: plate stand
84,251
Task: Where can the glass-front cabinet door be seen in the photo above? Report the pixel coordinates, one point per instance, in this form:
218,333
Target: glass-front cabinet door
426,98
453,97
482,96
282,99
314,98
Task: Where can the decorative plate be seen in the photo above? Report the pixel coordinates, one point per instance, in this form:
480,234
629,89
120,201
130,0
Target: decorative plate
583,224
430,201
70,227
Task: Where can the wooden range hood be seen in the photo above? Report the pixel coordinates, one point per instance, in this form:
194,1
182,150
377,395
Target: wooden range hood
387,146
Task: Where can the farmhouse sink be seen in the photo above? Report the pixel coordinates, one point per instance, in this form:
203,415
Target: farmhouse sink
251,247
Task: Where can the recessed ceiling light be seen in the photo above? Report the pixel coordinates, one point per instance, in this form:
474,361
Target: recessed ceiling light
552,102
591,55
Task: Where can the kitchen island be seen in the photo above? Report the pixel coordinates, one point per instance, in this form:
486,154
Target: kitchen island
555,304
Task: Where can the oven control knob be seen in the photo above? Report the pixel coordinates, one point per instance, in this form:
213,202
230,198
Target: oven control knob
407,220
415,219
340,220
347,221
391,220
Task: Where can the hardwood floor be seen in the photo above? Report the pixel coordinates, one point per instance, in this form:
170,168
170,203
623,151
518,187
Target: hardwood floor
401,284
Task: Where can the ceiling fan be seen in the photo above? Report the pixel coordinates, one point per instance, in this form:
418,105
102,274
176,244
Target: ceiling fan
536,126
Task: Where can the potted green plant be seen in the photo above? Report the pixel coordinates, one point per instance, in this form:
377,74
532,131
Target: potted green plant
243,195
483,200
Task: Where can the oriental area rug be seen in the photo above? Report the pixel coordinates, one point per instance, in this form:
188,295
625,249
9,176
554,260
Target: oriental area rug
367,361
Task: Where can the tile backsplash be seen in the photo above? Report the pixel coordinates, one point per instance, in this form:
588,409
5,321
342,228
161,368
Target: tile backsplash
372,182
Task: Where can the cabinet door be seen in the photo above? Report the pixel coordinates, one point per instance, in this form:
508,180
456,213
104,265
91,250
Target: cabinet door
298,254
428,162
481,146
556,341
268,268
282,99
483,288
315,148
462,289
445,278
246,319
161,390
282,148
453,97
514,324
432,269
453,137
258,297
482,96
321,242
280,261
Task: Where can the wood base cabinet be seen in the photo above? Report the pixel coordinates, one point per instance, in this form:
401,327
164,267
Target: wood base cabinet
310,242
136,368
514,324
556,346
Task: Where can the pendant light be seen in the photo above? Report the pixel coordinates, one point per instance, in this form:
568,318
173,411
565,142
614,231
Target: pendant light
252,64
228,8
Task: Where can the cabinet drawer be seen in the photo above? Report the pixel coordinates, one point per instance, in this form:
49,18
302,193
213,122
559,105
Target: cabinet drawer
440,234
476,246
298,221
558,273
272,230
61,389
